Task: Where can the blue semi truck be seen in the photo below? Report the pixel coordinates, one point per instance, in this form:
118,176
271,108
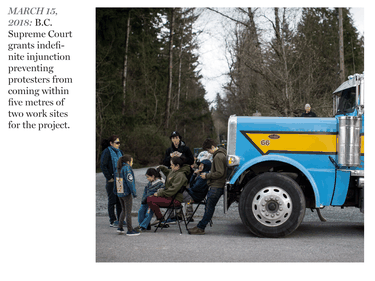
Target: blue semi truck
279,166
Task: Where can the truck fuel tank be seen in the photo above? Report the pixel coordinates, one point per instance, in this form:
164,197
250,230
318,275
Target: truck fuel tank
349,141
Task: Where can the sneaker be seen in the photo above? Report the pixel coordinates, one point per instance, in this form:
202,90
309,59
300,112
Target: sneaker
140,228
132,233
120,230
196,231
111,224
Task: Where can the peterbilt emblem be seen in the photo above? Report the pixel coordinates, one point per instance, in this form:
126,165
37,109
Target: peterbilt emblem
274,137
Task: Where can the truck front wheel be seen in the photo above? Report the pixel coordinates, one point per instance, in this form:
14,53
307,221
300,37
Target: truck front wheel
272,205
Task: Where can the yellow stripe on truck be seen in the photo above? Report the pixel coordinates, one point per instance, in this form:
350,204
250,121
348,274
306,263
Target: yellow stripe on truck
293,142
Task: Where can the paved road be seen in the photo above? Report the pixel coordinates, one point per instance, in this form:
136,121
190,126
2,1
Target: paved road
340,239
229,241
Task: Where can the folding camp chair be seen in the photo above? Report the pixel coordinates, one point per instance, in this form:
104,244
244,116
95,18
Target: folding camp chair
162,224
203,202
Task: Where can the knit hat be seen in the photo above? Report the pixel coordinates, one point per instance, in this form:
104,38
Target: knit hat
204,155
307,106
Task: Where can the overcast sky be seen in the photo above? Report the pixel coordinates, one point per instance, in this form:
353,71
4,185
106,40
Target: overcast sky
213,62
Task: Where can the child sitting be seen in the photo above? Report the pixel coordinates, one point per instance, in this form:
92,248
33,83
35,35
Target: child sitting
198,188
145,213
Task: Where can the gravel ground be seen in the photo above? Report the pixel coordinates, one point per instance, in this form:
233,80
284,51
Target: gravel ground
332,214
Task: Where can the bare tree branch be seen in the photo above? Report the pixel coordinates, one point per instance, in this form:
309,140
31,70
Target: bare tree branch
228,17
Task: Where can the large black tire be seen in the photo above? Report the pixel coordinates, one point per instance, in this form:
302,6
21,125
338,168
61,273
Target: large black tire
272,205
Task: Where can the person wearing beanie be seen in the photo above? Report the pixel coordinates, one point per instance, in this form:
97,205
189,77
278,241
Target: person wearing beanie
177,148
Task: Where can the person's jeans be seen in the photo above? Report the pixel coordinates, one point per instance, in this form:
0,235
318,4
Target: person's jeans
144,217
112,202
213,197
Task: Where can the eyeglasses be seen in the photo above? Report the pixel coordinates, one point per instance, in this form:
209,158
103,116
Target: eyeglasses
117,142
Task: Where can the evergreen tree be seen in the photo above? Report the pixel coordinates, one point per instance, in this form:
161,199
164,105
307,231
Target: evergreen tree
139,39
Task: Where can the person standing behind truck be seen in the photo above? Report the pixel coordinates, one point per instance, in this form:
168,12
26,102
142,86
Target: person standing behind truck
216,179
308,112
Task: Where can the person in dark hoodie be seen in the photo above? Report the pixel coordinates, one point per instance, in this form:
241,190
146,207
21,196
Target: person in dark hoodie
198,188
178,148
216,179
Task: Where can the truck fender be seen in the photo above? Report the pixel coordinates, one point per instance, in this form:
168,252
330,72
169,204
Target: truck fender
283,159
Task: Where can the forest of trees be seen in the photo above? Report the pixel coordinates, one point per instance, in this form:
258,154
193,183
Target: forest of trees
148,80
298,63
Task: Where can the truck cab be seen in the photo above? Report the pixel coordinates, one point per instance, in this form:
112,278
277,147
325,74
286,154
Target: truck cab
279,166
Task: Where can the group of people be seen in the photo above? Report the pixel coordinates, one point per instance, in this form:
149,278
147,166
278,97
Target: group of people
187,180
203,177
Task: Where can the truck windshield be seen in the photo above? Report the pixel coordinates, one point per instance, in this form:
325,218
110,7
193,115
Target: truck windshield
346,101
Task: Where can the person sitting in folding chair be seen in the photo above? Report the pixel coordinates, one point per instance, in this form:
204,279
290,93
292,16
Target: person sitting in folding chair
198,188
175,180
145,214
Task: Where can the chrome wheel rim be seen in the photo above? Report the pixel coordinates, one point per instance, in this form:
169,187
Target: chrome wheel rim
272,206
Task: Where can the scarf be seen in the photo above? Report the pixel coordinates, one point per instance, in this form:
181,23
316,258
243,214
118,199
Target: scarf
115,155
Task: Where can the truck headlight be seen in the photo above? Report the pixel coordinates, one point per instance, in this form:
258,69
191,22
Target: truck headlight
233,160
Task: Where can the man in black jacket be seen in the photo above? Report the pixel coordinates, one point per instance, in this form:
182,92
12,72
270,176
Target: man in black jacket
177,148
